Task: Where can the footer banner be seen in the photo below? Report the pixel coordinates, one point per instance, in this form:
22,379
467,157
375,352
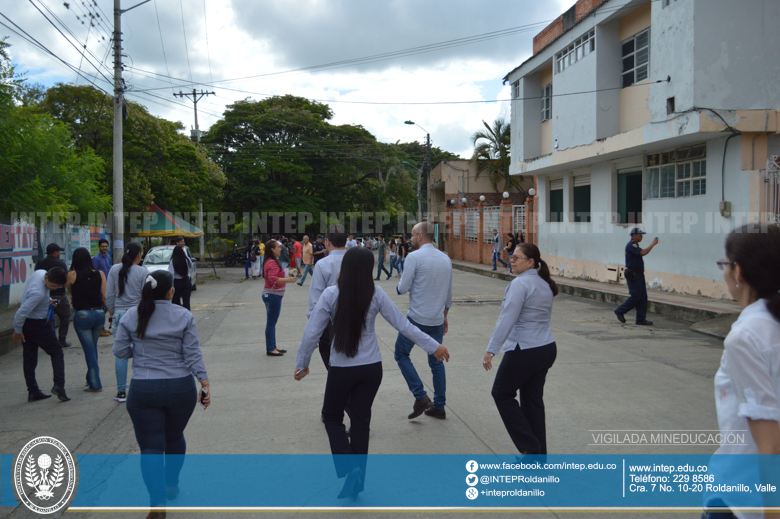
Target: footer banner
104,482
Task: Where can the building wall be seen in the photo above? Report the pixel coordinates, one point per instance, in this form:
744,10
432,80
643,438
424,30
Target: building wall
635,106
671,56
690,230
736,54
635,21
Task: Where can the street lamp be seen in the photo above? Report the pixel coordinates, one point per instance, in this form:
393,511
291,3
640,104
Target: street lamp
422,202
506,195
481,198
531,192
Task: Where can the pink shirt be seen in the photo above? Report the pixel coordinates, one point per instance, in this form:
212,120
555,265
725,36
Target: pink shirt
271,273
298,249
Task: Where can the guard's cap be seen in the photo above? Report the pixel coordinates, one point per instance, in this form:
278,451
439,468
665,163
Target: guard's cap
637,230
320,236
52,248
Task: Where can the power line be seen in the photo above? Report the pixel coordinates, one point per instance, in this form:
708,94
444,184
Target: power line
35,43
186,49
162,44
208,52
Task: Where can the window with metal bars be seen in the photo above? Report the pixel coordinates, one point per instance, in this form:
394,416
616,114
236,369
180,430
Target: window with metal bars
491,219
472,224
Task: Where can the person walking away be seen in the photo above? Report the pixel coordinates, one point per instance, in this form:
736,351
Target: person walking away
635,279
392,248
326,274
747,384
248,258
497,250
381,253
87,288
124,288
523,334
511,243
307,258
403,250
273,292
298,247
284,256
180,268
256,259
62,308
32,328
102,261
162,340
427,277
355,372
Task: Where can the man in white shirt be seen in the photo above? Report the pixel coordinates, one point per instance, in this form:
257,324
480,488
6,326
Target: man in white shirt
427,276
351,242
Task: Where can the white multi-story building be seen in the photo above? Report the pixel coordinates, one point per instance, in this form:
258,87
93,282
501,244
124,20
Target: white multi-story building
661,114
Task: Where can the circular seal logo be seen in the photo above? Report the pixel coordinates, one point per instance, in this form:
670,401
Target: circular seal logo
45,475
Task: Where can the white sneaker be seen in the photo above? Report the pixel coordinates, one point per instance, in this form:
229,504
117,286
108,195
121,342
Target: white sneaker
121,396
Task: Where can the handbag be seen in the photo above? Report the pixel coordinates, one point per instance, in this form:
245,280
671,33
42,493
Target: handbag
252,257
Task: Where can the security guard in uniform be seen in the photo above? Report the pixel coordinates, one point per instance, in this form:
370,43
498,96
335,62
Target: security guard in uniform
635,278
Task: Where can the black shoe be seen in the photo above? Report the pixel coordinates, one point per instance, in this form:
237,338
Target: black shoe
65,344
389,276
376,279
620,316
281,351
351,484
420,406
60,392
274,353
38,395
121,396
644,322
436,413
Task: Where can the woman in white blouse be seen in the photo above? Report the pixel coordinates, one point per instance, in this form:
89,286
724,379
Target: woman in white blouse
523,334
355,362
747,385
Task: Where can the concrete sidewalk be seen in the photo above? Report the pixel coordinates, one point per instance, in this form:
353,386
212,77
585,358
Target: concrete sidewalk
710,316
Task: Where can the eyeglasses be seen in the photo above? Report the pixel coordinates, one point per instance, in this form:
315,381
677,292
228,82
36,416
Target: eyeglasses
722,264
513,258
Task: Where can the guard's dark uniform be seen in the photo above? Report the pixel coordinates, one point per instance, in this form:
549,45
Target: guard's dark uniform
636,288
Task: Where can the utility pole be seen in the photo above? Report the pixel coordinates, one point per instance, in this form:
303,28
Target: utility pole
196,96
426,175
119,192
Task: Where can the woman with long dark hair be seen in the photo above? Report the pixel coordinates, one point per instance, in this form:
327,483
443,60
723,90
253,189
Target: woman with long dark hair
180,267
393,255
273,291
523,334
87,288
511,243
162,340
124,287
403,251
747,385
355,361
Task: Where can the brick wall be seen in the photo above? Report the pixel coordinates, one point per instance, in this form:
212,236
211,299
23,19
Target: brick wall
555,30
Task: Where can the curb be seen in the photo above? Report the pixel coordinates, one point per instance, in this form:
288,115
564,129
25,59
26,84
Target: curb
698,316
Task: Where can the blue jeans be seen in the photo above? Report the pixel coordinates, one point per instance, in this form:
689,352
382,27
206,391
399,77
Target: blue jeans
273,307
399,264
247,266
403,347
120,365
392,264
307,269
88,325
160,410
497,256
380,267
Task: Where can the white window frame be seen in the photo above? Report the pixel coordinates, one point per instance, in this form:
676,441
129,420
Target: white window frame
676,174
516,90
577,50
635,71
518,218
456,224
547,93
472,224
491,219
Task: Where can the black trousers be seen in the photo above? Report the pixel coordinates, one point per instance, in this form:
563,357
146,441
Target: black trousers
358,385
62,310
182,291
524,371
38,334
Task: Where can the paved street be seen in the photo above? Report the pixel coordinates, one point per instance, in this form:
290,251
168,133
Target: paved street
607,376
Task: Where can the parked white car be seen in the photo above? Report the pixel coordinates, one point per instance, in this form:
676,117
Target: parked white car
158,258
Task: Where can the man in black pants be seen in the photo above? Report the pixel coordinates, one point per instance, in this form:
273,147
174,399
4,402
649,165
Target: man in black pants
31,326
62,309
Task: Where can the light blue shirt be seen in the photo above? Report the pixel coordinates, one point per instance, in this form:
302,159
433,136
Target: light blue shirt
102,263
368,349
427,276
326,274
134,287
170,349
35,301
525,315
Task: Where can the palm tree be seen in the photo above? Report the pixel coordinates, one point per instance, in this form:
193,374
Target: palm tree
491,154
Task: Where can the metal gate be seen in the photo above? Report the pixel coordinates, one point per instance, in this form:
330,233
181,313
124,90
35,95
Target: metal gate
773,189
518,219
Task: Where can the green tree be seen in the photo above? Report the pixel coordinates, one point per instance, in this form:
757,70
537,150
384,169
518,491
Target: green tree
159,164
40,168
491,155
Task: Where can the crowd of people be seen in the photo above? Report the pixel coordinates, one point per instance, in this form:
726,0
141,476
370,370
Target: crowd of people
344,303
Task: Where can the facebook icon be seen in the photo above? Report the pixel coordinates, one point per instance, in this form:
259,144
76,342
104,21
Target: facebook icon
472,466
